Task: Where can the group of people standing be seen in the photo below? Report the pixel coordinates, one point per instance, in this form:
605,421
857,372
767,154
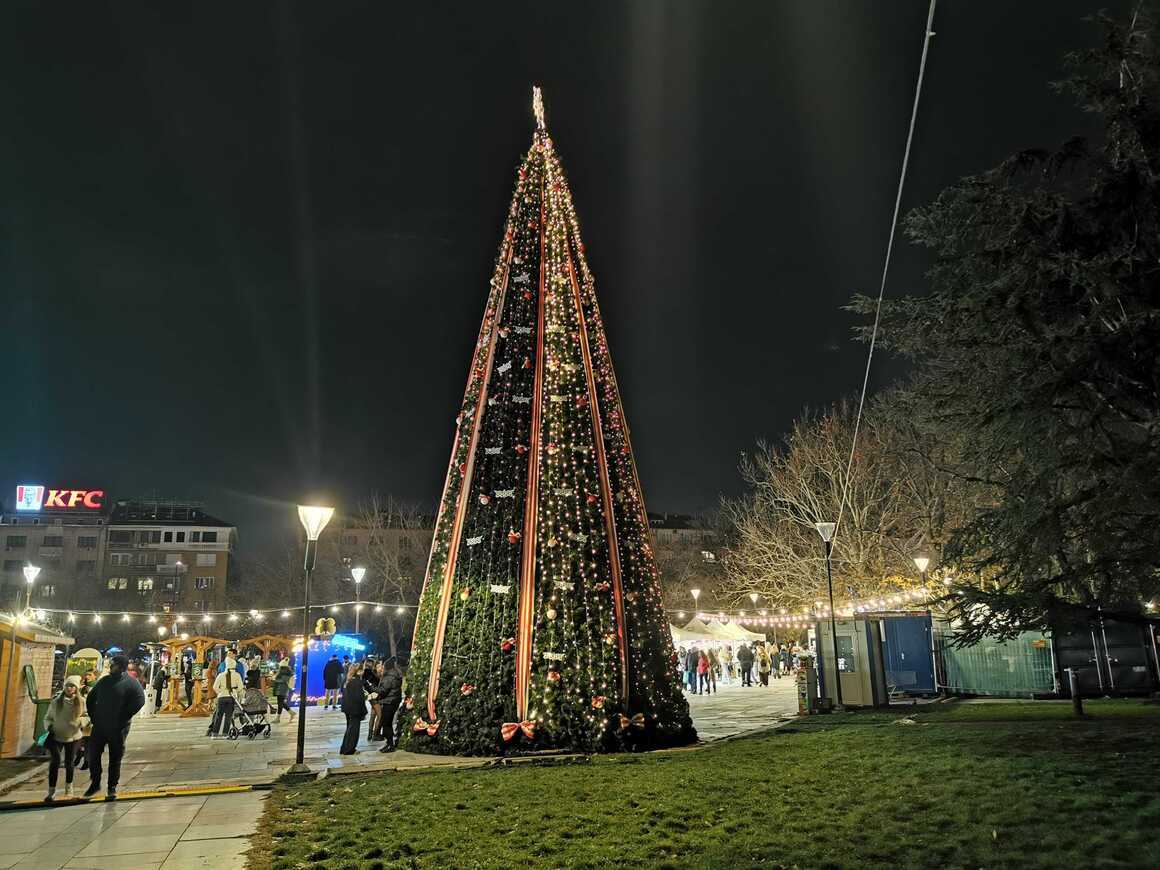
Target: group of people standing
87,717
702,667
370,689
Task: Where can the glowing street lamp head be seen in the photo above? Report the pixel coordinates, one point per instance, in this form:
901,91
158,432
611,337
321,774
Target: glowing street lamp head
922,563
696,593
358,574
30,572
753,596
826,530
314,519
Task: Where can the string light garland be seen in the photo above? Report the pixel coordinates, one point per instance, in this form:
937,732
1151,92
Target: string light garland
912,599
71,615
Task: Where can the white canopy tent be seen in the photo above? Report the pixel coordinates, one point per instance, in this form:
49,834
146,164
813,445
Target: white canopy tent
713,632
695,631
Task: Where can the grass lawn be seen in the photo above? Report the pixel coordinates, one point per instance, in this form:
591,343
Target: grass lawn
967,785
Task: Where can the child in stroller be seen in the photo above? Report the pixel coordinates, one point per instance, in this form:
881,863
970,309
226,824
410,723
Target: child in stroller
250,718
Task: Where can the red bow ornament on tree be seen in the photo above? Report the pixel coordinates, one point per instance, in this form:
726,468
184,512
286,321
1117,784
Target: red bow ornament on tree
466,689
510,729
431,728
636,721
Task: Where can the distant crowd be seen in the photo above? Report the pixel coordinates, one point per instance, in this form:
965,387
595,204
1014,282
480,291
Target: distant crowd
702,667
91,714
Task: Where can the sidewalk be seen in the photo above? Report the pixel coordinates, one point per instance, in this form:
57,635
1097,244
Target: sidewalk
167,752
171,834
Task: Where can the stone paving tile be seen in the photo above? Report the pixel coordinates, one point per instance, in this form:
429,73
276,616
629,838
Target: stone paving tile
218,830
141,861
112,844
219,854
47,859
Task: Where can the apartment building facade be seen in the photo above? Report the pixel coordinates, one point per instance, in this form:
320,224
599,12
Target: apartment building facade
165,556
60,530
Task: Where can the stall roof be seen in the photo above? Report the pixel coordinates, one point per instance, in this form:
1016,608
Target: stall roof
30,631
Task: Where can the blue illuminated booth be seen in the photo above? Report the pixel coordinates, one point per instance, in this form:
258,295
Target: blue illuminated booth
321,649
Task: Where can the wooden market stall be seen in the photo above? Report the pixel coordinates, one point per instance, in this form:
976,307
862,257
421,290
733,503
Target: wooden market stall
202,694
266,644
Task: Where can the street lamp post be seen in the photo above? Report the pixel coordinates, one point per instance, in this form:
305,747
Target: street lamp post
922,563
357,573
696,593
30,572
314,519
826,532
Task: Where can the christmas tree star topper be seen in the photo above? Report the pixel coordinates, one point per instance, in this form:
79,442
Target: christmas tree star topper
538,107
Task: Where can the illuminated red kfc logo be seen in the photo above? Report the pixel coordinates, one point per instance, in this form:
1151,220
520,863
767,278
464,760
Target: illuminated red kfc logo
36,497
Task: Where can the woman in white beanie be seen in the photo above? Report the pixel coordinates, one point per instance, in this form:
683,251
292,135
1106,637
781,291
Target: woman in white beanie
63,721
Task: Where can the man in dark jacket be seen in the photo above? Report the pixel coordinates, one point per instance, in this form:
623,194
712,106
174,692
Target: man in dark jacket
745,662
390,696
333,674
691,658
112,704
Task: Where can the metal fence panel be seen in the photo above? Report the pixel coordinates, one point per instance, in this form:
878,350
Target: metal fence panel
1017,668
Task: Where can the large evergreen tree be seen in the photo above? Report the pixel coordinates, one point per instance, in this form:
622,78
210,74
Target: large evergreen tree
541,624
1036,351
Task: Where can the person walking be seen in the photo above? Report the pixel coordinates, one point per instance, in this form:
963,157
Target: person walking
160,674
283,686
88,679
332,676
727,664
703,673
354,707
390,697
714,669
763,664
62,720
371,678
783,660
745,664
112,703
187,675
227,686
692,660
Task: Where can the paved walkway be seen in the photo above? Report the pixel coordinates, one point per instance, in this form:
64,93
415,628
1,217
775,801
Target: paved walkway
734,710
170,834
167,752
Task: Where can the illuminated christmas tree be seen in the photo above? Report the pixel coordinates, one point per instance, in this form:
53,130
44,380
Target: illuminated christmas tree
540,625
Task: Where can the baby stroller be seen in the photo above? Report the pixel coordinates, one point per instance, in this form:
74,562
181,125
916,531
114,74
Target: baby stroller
250,716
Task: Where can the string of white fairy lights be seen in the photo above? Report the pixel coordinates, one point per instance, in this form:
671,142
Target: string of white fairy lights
803,616
98,617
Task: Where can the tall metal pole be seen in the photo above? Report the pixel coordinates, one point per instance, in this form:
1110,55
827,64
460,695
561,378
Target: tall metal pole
357,604
300,754
833,631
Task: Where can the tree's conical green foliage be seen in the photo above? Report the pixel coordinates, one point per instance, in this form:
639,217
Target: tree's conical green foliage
540,624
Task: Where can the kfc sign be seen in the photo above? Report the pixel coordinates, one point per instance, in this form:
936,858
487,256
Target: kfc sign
36,498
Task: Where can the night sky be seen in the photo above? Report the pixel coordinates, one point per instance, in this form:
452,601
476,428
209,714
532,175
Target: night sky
245,247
